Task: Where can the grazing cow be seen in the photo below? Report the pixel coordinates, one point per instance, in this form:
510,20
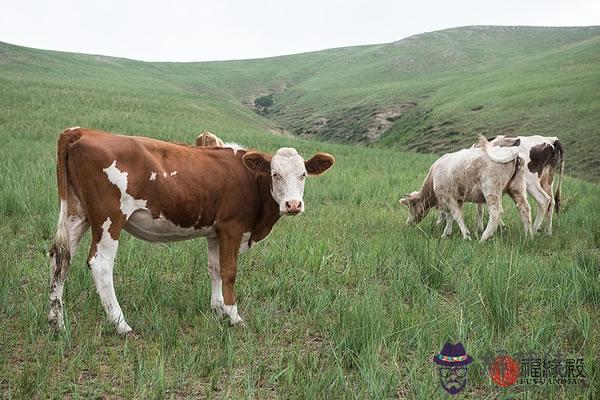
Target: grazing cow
541,155
475,175
207,139
161,192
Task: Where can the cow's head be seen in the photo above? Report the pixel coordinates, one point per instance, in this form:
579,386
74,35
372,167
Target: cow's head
288,171
416,208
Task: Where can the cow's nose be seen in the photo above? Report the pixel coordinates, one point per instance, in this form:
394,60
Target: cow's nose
293,206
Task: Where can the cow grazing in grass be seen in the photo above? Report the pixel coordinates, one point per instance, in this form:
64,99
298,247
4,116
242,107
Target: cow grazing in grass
476,175
163,192
542,155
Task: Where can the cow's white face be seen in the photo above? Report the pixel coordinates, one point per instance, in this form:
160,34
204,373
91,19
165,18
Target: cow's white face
288,175
416,208
288,172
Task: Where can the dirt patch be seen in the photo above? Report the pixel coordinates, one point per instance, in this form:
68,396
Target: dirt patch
280,131
382,120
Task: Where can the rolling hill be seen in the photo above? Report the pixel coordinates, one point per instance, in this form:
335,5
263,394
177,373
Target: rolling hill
428,93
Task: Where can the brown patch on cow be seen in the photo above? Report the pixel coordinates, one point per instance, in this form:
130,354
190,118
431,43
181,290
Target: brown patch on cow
258,163
319,163
541,155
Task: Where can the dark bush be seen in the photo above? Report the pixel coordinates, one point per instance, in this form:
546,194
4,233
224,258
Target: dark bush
264,101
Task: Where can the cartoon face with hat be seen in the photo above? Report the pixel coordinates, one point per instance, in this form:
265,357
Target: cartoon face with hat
452,365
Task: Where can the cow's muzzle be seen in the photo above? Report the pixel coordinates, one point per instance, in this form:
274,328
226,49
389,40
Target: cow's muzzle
292,207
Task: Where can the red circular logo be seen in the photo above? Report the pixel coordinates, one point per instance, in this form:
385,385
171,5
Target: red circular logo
505,371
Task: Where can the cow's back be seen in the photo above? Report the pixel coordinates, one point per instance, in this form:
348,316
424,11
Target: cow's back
461,175
189,186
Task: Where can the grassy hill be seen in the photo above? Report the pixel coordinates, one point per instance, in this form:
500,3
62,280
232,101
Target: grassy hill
342,302
428,93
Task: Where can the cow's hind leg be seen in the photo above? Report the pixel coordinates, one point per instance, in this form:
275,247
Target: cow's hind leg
543,201
216,293
547,183
494,203
71,228
522,204
105,241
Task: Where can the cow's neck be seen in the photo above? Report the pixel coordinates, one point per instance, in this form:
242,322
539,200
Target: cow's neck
269,210
427,193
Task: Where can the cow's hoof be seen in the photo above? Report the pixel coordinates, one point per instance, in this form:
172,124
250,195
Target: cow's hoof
56,322
56,326
238,322
131,335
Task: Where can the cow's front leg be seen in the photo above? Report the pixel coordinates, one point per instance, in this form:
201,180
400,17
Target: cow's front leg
216,291
229,245
448,227
456,212
480,225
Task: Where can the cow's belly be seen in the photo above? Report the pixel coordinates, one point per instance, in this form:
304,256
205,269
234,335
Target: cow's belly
141,225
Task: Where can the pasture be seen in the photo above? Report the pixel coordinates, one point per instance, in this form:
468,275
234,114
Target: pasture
345,301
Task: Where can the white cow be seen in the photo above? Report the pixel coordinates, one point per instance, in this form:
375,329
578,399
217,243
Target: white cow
476,175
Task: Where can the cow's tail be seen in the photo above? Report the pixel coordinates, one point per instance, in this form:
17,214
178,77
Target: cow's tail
500,155
60,252
560,154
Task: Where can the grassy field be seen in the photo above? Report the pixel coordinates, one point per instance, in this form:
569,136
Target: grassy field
342,302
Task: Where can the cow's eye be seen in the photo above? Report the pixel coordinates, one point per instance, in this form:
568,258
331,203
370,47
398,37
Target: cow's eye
275,175
303,176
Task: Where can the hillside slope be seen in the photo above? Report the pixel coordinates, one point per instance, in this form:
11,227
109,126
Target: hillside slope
429,93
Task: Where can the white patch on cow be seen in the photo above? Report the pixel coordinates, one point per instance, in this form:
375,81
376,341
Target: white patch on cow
75,127
234,146
288,175
62,231
153,176
128,204
173,173
101,265
142,225
164,174
245,244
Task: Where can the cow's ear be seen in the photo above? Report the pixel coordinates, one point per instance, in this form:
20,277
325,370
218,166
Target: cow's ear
258,163
404,201
320,163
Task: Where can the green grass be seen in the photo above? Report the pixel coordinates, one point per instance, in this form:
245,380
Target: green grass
342,302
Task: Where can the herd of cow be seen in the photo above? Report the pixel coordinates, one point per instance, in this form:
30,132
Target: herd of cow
161,192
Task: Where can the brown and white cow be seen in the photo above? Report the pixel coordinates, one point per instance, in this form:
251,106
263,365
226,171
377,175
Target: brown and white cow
475,175
541,155
161,192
